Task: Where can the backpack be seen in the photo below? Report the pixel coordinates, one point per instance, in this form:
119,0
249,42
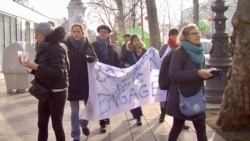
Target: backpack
164,80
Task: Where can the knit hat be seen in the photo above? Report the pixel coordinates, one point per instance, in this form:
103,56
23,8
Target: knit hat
173,31
45,28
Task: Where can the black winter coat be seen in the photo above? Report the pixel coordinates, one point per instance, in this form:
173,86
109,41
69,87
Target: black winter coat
52,60
130,57
78,74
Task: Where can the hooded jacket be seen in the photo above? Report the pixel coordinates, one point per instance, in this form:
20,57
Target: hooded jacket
52,60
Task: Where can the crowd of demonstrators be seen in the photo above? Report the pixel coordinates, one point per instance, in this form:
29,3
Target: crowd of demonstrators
50,69
62,68
79,48
107,55
189,78
165,49
135,50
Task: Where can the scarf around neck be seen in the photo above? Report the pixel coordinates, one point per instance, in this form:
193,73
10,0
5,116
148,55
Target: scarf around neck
172,43
78,43
196,53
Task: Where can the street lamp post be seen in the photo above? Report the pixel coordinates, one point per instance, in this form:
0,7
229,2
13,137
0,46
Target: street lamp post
220,56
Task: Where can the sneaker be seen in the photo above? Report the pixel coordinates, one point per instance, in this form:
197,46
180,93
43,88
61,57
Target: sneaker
103,129
138,121
76,140
85,131
186,127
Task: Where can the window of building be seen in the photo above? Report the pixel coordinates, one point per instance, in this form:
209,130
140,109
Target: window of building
27,32
13,36
19,29
7,34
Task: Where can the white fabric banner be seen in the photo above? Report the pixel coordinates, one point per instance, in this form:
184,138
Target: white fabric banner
114,90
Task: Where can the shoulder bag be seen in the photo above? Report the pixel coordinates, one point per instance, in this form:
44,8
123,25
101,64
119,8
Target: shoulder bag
39,91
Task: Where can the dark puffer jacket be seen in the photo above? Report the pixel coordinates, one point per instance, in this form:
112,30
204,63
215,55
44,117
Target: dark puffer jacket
78,74
52,59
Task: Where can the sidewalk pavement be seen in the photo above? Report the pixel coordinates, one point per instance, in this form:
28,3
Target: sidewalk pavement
18,122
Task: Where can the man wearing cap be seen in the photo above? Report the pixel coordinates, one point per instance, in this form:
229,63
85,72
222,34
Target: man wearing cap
107,55
124,46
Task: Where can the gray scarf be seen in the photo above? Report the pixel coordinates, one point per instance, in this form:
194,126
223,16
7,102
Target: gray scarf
78,43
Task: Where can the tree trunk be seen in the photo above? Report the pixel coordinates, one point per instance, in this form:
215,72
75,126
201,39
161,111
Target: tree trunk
196,11
235,108
121,18
155,39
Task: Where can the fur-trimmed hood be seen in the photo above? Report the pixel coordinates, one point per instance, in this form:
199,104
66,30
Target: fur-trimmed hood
56,36
130,47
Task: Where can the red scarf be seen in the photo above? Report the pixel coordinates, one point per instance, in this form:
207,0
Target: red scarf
172,43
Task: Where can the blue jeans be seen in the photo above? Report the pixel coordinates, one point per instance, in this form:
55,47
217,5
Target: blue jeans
75,121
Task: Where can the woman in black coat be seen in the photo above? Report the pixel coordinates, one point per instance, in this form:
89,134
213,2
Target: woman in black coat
188,75
51,70
136,49
79,48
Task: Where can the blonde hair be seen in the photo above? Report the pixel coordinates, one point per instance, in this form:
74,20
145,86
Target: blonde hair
185,31
79,25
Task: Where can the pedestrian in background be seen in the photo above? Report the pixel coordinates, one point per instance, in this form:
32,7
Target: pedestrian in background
124,46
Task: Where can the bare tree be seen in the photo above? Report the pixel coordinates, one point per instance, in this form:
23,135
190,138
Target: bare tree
107,11
23,2
154,31
196,11
235,108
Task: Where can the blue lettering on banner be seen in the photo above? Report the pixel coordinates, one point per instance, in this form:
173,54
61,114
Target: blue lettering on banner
132,80
132,93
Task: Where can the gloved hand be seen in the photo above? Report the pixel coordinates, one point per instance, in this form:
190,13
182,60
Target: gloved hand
90,59
217,73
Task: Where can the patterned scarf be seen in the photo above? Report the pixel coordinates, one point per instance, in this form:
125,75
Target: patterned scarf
196,53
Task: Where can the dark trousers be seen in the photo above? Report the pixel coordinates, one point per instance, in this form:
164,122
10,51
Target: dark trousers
53,107
104,122
136,112
199,125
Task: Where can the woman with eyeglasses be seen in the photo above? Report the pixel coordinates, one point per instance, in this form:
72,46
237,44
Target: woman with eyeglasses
136,49
187,74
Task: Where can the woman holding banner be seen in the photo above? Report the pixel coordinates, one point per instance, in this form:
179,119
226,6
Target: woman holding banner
136,49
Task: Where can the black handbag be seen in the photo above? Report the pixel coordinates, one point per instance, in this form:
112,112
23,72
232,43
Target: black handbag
39,91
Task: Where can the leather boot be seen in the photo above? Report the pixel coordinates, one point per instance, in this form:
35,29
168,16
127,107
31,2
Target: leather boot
162,116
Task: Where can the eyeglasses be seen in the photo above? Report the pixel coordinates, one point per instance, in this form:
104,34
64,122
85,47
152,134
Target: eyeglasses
194,33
